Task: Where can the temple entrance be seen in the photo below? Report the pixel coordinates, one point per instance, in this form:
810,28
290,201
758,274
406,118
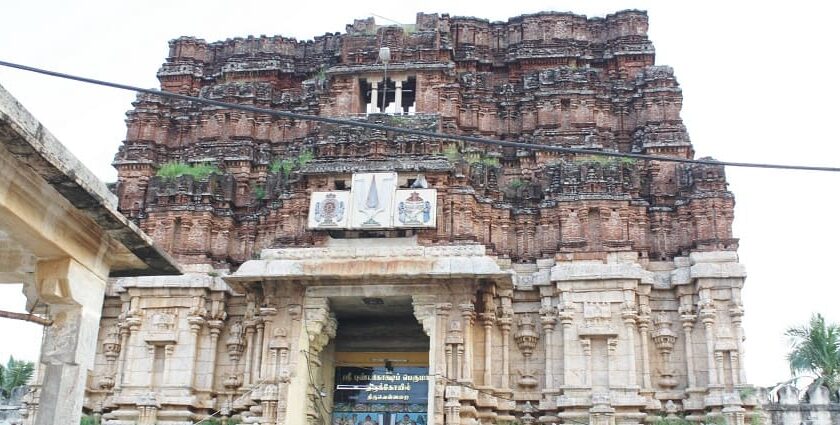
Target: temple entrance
381,363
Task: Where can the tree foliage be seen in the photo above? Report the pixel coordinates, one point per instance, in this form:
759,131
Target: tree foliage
14,374
815,349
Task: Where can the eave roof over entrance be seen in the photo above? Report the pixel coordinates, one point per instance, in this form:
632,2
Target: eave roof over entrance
36,150
376,260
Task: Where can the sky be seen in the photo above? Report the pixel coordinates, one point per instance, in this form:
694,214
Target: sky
758,78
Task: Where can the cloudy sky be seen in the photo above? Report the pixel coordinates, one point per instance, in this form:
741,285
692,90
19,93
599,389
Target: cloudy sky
760,85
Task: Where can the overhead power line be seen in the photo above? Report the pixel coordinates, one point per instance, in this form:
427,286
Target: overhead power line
382,127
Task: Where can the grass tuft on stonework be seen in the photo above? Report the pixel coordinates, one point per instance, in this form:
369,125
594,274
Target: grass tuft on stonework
171,170
259,192
516,184
88,420
673,421
285,166
604,160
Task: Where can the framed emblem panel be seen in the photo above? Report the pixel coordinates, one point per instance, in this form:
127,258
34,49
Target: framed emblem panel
415,208
329,210
372,198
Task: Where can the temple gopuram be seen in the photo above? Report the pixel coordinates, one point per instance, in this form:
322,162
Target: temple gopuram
341,275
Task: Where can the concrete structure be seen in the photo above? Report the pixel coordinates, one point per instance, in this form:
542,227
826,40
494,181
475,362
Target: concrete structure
62,237
509,285
787,406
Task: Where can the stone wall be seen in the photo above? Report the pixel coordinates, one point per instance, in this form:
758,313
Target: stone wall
623,340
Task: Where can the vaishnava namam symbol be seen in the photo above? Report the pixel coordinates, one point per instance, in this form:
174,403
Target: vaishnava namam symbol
414,210
372,207
329,211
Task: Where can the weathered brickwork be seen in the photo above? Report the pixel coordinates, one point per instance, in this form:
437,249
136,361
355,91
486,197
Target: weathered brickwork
554,79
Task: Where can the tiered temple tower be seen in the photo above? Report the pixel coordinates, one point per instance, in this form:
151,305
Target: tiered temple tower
497,284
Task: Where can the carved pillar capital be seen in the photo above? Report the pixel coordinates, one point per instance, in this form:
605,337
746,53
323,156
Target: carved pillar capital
487,319
195,322
467,312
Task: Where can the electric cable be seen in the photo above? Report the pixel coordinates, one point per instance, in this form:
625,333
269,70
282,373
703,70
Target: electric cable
414,132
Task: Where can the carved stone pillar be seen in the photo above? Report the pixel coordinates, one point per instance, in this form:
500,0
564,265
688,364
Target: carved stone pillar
707,315
548,319
586,344
566,314
629,316
442,314
505,323
454,349
215,327
249,352
267,367
321,327
733,365
125,331
687,320
168,352
258,352
644,326
487,319
737,315
468,313
425,312
196,322
719,368
134,321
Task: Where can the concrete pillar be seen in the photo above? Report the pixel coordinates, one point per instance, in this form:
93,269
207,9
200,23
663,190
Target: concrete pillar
398,97
74,295
374,94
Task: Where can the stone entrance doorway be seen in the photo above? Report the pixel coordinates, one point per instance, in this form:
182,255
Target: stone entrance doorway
381,363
